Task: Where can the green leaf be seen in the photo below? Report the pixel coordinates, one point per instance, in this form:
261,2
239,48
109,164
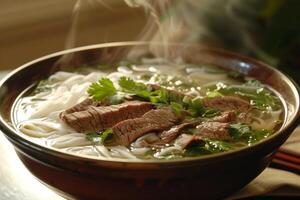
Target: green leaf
195,107
106,135
100,137
141,90
93,137
240,130
217,146
197,150
129,85
102,89
245,132
177,108
159,96
211,146
258,135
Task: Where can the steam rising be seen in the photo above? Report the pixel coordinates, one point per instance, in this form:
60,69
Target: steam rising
219,23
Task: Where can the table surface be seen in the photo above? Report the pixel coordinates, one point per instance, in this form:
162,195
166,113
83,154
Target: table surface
16,182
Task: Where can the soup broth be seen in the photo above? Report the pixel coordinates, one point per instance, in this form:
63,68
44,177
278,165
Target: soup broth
151,109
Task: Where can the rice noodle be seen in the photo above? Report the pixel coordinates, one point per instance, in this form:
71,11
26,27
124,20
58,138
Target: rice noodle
168,150
68,140
266,123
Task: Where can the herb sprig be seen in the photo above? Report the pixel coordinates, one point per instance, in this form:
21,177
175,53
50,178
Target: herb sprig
102,89
159,96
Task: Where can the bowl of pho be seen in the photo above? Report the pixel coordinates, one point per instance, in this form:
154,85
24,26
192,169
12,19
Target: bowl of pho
143,120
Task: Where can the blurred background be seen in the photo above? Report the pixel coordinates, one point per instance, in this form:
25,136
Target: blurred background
33,28
265,29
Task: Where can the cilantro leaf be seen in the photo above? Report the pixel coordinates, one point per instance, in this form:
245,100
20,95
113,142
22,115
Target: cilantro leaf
130,85
141,90
133,87
100,137
177,108
211,146
159,96
102,89
194,106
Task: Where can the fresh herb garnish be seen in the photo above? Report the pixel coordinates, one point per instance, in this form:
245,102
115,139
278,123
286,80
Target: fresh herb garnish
158,96
177,108
210,146
244,132
102,89
100,137
217,146
196,151
130,85
106,135
240,130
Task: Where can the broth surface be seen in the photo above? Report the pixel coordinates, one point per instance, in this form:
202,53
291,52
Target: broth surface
38,115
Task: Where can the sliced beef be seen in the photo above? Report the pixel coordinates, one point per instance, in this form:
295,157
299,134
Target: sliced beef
186,141
83,106
103,117
155,120
244,117
214,130
171,134
227,116
227,103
